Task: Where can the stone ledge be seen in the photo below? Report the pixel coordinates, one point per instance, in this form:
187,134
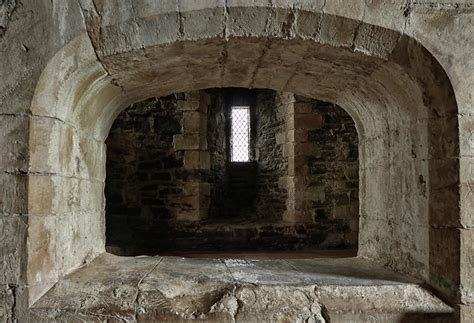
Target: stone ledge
175,288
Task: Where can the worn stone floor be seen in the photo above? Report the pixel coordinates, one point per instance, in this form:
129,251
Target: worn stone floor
226,289
268,254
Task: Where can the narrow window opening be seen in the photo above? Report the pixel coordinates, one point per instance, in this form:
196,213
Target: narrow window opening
240,134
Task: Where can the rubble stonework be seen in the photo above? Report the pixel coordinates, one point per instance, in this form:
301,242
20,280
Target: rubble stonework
154,187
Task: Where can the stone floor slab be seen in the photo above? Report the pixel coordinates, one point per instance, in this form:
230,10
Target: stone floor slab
178,289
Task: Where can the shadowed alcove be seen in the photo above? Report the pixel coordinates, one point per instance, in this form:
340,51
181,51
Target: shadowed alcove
259,170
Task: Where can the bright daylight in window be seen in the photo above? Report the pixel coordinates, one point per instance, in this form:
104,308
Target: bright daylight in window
240,140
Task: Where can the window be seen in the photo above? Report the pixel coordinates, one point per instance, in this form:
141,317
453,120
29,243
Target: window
240,134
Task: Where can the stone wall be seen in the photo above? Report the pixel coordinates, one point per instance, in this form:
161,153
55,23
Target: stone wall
192,142
158,181
320,142
332,170
157,171
272,164
218,145
247,191
144,173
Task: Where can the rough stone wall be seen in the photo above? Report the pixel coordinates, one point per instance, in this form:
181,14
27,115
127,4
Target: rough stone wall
261,175
332,179
320,142
153,178
246,191
193,143
144,173
156,172
217,143
272,164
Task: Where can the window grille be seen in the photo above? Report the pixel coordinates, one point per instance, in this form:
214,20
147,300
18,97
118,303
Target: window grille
240,134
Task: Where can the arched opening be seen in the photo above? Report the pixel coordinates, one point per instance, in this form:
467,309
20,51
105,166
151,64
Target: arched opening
399,97
232,170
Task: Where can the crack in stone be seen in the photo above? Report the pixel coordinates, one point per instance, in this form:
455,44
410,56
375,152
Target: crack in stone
223,62
297,270
115,316
69,124
359,24
226,20
20,172
228,270
15,114
29,114
138,307
296,69
149,272
289,27
407,10
12,288
445,6
52,118
180,25
320,23
224,53
132,6
269,15
266,48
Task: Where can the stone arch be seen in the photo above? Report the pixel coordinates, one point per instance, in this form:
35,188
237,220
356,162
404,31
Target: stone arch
397,93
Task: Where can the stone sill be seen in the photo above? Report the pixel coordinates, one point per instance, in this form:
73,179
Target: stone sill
225,289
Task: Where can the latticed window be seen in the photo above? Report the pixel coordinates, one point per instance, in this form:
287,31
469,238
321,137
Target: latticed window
240,135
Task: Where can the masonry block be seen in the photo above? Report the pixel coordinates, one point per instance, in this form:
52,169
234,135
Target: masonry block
13,193
189,142
308,121
194,122
280,138
13,230
14,141
188,105
43,271
196,189
303,107
197,159
466,313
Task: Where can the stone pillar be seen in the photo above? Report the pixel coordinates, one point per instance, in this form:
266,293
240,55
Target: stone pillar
299,120
193,143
